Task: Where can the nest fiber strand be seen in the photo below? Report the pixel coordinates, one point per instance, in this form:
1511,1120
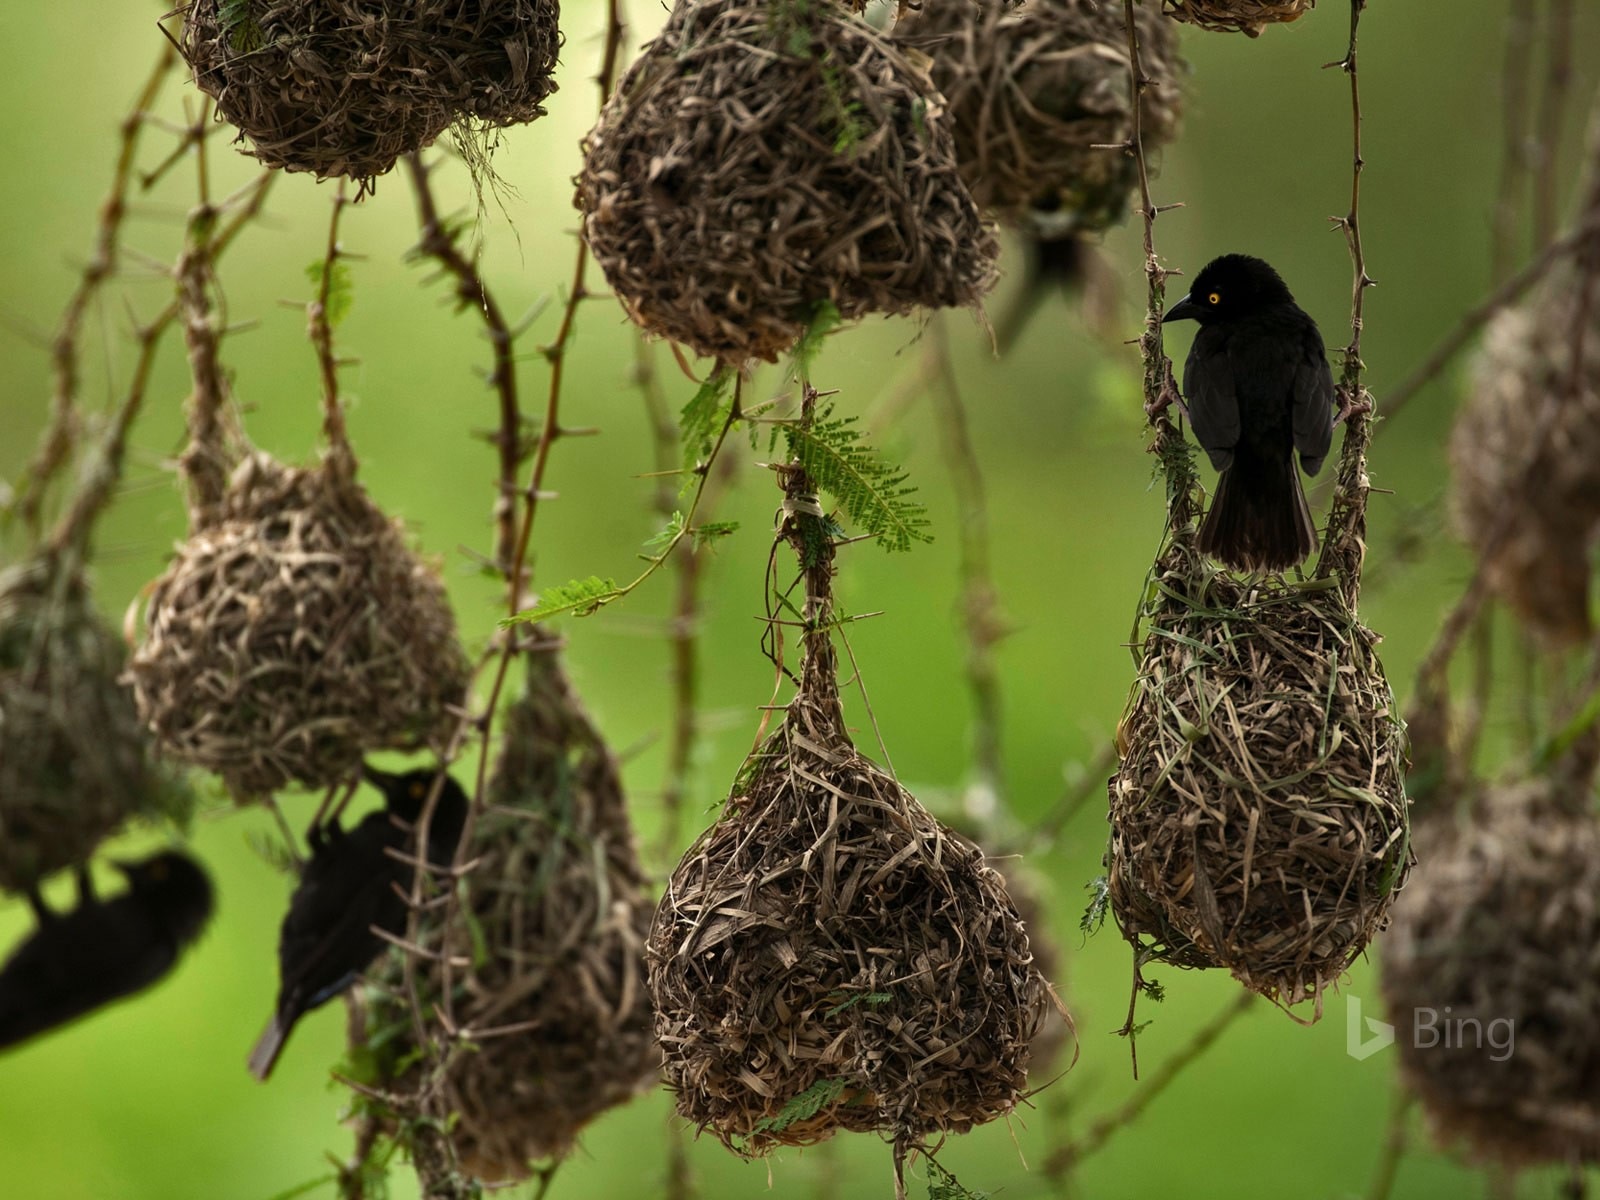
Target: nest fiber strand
1248,17
346,87
1495,955
759,160
295,633
1258,816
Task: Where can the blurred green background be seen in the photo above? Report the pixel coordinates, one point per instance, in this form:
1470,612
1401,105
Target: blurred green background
151,1098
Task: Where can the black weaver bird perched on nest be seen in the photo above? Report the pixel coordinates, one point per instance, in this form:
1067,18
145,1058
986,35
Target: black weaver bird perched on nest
103,950
1259,389
353,886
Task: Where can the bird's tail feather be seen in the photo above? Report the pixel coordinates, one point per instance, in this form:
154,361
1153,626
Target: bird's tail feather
1259,519
265,1056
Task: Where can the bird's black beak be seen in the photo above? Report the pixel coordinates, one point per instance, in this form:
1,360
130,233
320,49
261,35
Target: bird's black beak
1184,310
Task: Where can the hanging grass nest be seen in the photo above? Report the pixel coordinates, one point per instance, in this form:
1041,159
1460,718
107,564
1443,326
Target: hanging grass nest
296,632
1029,892
346,87
760,160
555,932
74,762
1248,17
1493,955
1258,817
1037,98
828,956
1538,526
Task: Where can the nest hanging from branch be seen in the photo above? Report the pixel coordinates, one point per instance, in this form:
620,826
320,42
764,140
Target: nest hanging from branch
1037,100
1248,17
827,955
346,87
1492,956
555,927
762,159
295,632
74,762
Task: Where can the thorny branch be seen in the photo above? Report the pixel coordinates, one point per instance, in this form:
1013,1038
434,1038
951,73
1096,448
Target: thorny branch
319,324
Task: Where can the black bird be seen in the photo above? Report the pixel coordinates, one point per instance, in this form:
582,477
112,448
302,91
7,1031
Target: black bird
103,950
351,886
1259,389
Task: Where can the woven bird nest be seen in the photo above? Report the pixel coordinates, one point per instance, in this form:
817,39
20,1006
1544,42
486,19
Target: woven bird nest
1258,818
1037,100
828,956
1535,526
1492,975
1248,17
295,632
555,939
346,87
762,159
74,762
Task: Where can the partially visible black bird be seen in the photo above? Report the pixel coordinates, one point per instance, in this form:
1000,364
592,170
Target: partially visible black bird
351,886
1259,389
103,950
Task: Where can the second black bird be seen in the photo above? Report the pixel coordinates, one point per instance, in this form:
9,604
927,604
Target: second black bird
351,886
1259,389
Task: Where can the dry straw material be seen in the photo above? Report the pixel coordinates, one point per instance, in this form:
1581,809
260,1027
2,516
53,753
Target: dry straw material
1259,815
294,632
74,762
345,87
552,942
828,956
1492,974
761,159
1248,17
1038,101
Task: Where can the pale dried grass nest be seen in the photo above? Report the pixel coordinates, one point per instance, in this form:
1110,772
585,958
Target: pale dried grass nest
1501,922
1037,99
760,160
1248,17
295,632
346,87
1536,528
75,764
1259,815
556,918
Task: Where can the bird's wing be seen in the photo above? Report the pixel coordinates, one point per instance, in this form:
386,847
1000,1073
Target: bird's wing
1212,398
1313,404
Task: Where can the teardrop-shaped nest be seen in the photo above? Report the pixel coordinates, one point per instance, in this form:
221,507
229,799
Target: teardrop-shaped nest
829,956
346,87
550,949
762,159
75,764
1492,975
1037,98
1535,528
294,633
1248,17
1259,814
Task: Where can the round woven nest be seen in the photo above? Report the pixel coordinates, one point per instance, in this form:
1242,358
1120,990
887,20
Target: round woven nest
1258,817
1248,17
555,942
74,762
1037,93
761,160
1538,528
346,87
1501,924
296,632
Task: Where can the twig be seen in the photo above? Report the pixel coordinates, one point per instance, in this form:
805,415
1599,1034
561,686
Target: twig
320,327
1552,114
1394,1146
1065,1158
1514,138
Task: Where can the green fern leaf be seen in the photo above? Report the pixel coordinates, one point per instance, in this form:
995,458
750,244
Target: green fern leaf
803,1107
580,597
825,319
873,492
341,289
703,417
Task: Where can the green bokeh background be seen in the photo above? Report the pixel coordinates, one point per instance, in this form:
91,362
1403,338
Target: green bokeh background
151,1099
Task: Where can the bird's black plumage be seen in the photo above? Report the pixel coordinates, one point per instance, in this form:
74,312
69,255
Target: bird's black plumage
1259,389
103,950
351,886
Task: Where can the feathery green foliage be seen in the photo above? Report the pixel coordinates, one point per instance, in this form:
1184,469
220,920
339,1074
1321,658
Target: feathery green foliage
703,417
1094,916
341,289
803,1107
874,493
579,597
239,27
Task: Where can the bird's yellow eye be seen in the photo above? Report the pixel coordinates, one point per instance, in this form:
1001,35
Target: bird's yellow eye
1214,298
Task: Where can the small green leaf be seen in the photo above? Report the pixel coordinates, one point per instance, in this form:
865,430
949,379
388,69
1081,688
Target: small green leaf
873,492
712,532
1099,905
703,417
803,1107
825,319
341,289
579,597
